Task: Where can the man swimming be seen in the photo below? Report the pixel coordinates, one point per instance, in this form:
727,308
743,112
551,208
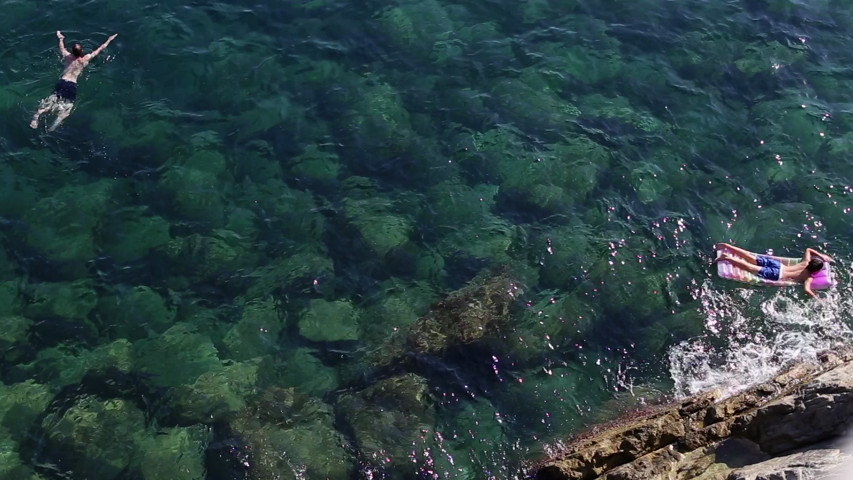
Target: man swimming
62,99
771,269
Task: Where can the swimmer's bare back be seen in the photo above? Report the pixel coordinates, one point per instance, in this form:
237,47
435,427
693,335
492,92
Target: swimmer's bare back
74,65
62,100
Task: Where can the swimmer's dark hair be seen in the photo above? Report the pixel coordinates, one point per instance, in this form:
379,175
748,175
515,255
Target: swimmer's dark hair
815,264
77,50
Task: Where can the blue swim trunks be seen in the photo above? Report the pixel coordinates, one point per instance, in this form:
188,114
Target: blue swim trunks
66,90
771,268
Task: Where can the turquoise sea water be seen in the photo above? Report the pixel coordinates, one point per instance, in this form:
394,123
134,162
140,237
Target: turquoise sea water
419,239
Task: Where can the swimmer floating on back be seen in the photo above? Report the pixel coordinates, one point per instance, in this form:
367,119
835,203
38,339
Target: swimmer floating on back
62,99
771,269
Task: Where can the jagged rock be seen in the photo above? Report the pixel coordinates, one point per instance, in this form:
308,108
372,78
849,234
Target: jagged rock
736,438
801,465
292,435
388,417
468,315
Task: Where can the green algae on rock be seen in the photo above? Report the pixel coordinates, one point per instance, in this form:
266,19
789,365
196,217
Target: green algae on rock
256,332
330,321
135,313
291,432
85,436
176,453
482,308
388,416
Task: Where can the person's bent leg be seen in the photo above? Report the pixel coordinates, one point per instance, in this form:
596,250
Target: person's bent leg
45,105
738,251
742,263
64,111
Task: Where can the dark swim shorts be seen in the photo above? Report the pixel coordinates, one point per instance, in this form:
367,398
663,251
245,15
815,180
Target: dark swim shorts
771,268
66,90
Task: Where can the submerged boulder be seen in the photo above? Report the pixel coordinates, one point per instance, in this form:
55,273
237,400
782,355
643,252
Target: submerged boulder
176,453
464,316
293,434
325,321
95,438
389,416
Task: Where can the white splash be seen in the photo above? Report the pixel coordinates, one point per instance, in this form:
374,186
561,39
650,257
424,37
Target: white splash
752,334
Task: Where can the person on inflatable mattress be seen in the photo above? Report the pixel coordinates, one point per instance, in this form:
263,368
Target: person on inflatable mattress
771,269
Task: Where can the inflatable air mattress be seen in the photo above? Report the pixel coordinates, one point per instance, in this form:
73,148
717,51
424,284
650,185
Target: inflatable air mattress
725,269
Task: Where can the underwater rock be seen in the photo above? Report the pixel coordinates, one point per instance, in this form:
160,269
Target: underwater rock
206,257
132,233
216,395
291,433
177,357
530,101
316,164
21,404
134,313
765,431
11,464
380,228
454,203
589,66
464,316
416,26
256,333
791,129
553,323
765,56
62,225
566,255
176,453
401,304
266,113
477,311
330,321
298,270
159,136
10,298
302,369
17,192
95,438
7,268
256,160
293,214
14,342
617,116
198,194
242,222
387,417
490,242
73,300
379,125
63,365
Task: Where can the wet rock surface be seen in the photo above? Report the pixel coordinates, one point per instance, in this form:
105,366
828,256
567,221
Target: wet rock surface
789,427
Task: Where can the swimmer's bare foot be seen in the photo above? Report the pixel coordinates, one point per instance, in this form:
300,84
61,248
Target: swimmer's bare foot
723,256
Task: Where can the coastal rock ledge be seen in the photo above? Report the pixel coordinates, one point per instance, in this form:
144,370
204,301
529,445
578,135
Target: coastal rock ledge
789,428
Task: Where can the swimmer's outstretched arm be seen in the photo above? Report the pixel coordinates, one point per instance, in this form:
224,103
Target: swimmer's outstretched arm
103,46
64,51
823,256
807,286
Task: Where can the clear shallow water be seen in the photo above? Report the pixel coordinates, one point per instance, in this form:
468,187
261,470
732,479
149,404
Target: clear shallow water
223,264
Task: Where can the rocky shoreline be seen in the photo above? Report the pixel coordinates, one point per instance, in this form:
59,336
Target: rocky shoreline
787,428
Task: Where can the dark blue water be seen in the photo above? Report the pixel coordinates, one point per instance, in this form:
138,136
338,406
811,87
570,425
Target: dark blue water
408,240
